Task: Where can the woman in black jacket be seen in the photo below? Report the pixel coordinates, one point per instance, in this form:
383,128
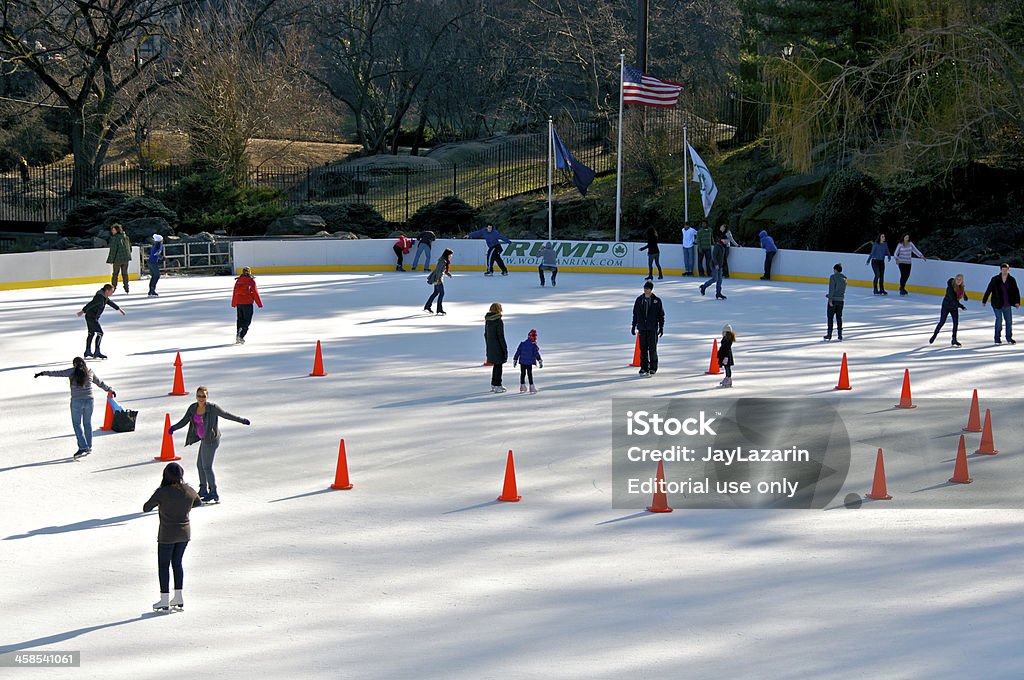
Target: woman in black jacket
653,254
175,499
497,349
951,306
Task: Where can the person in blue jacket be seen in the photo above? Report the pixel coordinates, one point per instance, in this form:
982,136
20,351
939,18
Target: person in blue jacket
527,354
876,258
494,238
768,243
156,253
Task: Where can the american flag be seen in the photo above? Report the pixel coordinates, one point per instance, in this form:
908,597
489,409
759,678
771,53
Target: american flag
640,88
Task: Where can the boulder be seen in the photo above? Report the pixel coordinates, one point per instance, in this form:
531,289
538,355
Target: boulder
201,236
297,225
98,242
347,235
786,204
141,229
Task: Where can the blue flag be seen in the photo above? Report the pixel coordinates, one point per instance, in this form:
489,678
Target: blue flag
582,176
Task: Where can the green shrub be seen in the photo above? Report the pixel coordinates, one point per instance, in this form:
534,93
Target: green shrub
92,211
138,207
359,218
207,201
449,215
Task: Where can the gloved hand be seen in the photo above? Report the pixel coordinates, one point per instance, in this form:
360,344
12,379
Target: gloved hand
37,375
540,364
170,431
633,330
515,363
245,421
661,331
113,394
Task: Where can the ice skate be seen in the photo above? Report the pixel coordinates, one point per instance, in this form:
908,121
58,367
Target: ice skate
164,604
522,388
533,389
177,602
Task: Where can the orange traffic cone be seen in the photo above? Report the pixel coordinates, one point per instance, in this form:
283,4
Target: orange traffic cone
178,389
714,368
108,416
660,501
167,447
974,417
988,447
341,473
844,376
960,475
905,401
318,362
878,492
636,353
509,492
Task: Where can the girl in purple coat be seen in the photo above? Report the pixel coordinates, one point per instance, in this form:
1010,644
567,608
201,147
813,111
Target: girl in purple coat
527,354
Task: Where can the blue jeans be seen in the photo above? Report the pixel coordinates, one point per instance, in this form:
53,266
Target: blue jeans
422,249
81,420
1004,314
439,295
689,258
716,278
207,450
154,275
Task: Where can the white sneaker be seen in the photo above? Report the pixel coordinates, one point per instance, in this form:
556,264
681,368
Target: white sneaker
163,604
177,601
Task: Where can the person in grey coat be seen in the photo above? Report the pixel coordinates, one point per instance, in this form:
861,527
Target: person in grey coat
836,298
717,260
82,379
175,499
202,418
549,262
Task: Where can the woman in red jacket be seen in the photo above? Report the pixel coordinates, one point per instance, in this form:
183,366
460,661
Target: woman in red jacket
244,296
401,248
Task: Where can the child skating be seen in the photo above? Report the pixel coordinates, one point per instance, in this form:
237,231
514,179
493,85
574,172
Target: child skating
527,354
242,299
725,359
92,312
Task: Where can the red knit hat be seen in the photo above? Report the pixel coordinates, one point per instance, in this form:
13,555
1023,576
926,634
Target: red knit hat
532,335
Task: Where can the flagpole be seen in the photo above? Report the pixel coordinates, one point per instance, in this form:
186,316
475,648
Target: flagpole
551,152
618,168
686,187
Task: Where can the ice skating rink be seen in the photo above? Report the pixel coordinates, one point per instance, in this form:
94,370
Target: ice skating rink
418,572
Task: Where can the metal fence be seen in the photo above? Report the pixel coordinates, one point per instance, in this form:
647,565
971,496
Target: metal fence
504,167
192,257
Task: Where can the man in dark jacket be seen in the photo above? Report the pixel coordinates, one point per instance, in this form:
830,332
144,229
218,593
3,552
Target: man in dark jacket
768,243
423,243
717,260
649,319
92,312
705,242
1005,296
494,239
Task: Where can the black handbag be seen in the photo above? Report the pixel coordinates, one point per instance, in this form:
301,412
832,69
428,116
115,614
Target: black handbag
124,421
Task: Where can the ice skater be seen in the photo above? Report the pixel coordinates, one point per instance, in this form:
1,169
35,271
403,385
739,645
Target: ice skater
904,253
497,349
202,418
649,319
82,379
528,354
494,239
402,247
717,258
951,306
242,299
1005,296
725,359
836,296
175,499
726,233
689,249
436,278
770,249
92,311
156,253
119,255
653,253
423,243
876,258
549,262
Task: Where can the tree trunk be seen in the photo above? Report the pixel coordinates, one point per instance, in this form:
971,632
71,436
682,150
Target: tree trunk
85,172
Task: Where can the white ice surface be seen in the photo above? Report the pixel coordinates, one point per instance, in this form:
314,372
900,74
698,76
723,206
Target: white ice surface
417,572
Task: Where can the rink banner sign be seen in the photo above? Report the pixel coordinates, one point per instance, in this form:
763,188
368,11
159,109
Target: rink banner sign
601,254
810,453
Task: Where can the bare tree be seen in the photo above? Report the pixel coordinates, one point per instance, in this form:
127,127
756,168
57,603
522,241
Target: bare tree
92,58
237,81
